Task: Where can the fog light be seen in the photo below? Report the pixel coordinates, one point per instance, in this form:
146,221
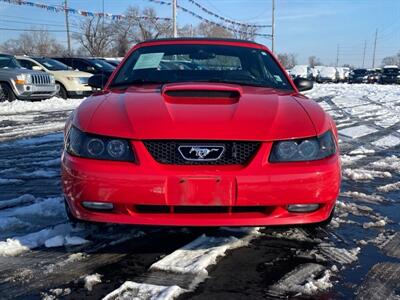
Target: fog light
97,205
302,207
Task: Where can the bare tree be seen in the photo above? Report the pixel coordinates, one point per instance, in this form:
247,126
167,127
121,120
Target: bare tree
138,26
95,36
205,29
37,42
314,61
392,60
288,60
245,33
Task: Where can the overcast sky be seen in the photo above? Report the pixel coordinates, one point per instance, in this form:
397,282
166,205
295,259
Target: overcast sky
303,27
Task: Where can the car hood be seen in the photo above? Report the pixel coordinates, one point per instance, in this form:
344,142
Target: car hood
17,71
72,73
189,111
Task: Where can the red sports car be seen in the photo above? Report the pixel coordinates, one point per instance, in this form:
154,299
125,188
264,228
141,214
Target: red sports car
200,132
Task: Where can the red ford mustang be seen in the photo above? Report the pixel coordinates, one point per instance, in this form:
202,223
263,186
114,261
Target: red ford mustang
200,132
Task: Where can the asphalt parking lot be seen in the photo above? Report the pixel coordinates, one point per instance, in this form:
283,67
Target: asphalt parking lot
43,257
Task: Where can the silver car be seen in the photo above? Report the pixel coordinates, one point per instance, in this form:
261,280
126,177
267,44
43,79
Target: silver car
19,83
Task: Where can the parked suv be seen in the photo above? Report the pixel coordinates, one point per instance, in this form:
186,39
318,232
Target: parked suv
359,76
72,84
90,65
19,83
328,74
390,74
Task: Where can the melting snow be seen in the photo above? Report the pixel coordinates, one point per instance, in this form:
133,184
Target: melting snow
92,280
361,174
387,141
357,131
143,291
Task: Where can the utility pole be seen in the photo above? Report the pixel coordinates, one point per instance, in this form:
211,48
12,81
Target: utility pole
273,27
337,55
365,49
373,57
175,32
67,25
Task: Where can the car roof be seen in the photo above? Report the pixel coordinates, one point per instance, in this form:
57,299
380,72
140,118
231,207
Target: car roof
191,39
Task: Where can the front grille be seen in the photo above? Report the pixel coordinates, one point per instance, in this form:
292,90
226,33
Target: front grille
236,153
178,209
41,79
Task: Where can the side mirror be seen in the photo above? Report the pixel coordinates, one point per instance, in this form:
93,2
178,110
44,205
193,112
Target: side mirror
303,84
90,69
37,68
98,81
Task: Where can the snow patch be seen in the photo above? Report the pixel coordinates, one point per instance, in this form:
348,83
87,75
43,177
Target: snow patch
196,256
389,187
91,280
24,199
357,131
143,291
387,141
362,174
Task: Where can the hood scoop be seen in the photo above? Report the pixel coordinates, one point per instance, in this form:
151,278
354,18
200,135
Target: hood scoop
201,93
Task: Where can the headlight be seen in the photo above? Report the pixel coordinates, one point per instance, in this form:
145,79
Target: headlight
93,146
83,80
24,79
74,79
52,79
304,149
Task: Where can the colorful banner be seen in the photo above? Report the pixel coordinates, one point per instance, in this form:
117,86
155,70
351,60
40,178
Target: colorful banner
212,22
83,13
209,12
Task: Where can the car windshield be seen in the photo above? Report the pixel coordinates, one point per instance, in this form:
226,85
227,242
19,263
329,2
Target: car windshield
390,70
360,71
52,64
201,63
9,62
102,65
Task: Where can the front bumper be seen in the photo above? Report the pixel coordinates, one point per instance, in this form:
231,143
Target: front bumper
252,195
34,92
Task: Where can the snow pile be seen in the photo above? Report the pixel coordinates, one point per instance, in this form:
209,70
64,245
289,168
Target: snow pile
350,159
389,187
52,237
61,240
55,294
12,247
306,279
340,255
52,104
391,163
362,174
91,280
363,197
196,256
143,291
380,223
21,200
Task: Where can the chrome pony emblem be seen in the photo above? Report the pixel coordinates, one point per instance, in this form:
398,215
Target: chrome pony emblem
201,152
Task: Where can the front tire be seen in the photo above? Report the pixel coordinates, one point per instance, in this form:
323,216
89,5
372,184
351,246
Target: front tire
6,93
62,93
324,223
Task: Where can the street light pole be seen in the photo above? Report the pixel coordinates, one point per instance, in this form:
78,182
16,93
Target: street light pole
273,27
67,25
175,32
